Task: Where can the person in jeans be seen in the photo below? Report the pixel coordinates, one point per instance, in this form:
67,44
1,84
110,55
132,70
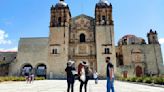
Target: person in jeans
70,76
95,76
110,75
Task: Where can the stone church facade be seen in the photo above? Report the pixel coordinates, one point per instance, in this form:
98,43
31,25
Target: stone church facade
84,38
135,57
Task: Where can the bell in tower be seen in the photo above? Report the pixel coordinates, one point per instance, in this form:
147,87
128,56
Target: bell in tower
60,14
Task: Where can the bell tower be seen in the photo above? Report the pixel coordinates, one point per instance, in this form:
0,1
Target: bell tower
152,37
105,45
58,39
60,14
103,13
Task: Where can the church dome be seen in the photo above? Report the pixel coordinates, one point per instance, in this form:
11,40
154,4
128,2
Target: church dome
131,39
104,2
61,3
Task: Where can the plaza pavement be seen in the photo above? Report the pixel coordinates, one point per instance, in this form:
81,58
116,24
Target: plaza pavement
61,85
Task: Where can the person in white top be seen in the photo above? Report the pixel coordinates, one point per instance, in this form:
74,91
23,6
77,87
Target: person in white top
95,76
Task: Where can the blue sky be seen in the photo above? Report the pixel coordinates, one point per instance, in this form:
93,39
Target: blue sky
30,18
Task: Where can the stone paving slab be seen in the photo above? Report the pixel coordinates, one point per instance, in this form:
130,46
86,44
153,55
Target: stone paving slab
61,85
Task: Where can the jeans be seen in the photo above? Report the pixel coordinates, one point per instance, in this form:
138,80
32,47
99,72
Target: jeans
96,80
84,83
110,84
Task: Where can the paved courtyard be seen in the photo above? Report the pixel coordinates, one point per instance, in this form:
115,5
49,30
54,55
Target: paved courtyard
61,85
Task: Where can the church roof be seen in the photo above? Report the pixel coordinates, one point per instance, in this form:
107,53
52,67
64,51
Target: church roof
62,3
8,51
104,2
130,39
84,16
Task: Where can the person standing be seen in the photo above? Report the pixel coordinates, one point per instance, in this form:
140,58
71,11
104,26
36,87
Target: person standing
95,76
110,75
32,77
84,73
70,76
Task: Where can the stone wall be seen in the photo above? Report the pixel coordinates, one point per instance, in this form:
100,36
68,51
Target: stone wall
105,39
58,39
5,59
4,69
31,51
7,56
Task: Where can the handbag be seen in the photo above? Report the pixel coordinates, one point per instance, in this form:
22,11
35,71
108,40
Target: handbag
74,72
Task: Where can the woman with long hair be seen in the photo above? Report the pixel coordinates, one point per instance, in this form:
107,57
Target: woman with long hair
84,74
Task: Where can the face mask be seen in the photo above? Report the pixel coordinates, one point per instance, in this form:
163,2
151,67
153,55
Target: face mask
106,60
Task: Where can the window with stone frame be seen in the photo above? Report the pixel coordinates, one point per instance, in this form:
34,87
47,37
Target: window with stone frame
54,51
107,51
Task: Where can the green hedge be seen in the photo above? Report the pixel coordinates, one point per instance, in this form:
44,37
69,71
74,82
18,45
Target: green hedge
155,80
12,78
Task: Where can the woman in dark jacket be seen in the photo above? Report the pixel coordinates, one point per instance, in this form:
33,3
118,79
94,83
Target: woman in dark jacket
70,76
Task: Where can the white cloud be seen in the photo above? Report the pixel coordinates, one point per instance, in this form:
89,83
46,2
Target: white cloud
4,37
9,50
161,40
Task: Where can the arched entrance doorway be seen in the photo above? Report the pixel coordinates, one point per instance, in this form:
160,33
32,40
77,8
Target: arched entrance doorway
26,69
138,71
125,74
41,70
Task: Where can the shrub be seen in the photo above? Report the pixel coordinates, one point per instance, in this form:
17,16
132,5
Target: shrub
139,79
158,80
127,79
39,78
12,78
121,79
133,79
147,80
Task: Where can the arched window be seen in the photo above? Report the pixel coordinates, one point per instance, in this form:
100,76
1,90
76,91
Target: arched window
26,69
41,70
103,20
82,37
59,21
